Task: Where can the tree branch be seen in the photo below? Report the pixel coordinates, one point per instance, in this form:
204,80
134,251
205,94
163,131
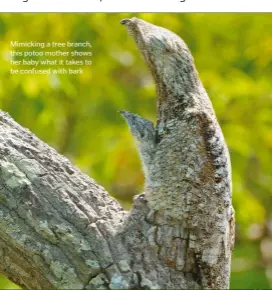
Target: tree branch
53,218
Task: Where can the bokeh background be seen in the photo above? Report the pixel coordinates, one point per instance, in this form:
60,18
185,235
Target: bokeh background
78,115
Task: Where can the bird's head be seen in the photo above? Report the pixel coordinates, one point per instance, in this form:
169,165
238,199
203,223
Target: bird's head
163,50
141,129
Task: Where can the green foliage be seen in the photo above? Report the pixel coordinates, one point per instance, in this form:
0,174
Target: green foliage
6,284
78,114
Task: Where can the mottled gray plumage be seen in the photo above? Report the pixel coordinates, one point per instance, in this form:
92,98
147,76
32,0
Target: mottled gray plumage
190,177
144,134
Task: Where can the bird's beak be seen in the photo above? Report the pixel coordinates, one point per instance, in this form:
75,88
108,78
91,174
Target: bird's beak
125,21
126,115
123,113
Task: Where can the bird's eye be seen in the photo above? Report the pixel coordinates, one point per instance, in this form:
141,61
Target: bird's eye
142,134
167,50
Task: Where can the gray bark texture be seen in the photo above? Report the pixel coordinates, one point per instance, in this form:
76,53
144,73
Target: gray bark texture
60,230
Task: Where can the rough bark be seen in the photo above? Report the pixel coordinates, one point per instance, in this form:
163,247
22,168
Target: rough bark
60,230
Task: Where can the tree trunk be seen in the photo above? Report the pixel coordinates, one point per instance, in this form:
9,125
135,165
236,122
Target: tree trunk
60,230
